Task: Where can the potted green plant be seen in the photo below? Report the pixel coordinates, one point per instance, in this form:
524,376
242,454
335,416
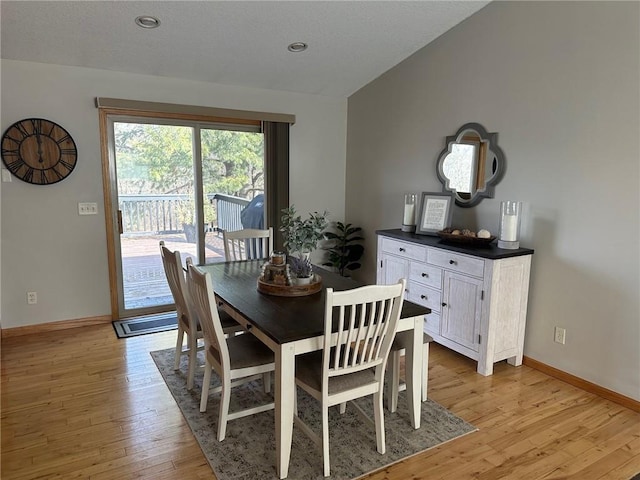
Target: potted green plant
344,248
301,236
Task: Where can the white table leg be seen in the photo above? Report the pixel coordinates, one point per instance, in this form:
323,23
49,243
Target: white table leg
413,367
284,399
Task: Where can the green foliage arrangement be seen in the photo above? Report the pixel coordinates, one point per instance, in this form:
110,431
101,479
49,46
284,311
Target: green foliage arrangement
343,247
302,236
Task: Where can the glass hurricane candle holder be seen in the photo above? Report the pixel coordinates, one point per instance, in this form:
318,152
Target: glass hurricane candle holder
409,218
510,213
278,258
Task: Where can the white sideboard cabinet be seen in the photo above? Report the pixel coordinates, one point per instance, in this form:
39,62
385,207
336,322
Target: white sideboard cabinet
477,295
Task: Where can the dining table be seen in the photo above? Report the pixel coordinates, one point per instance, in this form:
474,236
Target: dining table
293,325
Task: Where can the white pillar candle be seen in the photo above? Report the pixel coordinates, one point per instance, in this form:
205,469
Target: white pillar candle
509,229
409,214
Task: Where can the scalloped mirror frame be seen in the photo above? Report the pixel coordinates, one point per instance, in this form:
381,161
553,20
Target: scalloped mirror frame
494,159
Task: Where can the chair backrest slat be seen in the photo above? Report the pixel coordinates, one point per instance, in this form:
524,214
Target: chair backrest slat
247,244
367,319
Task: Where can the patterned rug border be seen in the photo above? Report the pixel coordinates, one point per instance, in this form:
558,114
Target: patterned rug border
238,459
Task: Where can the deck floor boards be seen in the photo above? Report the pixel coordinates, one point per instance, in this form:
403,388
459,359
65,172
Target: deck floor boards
145,284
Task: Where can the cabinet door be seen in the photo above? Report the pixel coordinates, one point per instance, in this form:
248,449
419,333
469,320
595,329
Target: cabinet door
461,309
392,269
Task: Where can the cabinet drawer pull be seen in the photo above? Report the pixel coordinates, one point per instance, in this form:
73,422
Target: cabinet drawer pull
423,297
401,249
444,304
452,262
425,275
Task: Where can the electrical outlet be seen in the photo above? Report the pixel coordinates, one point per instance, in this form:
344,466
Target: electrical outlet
32,298
560,335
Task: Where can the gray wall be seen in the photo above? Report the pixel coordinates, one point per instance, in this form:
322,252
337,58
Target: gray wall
560,84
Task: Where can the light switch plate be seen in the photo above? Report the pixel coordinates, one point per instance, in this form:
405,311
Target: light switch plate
87,209
6,175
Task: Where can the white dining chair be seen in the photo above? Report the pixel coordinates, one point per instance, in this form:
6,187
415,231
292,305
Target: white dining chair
394,382
247,244
366,320
187,319
236,359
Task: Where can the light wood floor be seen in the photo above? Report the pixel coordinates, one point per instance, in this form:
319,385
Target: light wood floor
81,404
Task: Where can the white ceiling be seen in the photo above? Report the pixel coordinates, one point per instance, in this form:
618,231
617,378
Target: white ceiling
232,42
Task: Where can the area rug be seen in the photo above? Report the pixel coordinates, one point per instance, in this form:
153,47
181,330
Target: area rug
248,451
132,327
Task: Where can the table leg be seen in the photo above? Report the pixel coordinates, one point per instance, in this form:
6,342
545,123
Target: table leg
285,390
413,367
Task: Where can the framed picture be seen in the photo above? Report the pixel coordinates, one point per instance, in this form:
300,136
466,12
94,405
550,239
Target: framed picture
435,212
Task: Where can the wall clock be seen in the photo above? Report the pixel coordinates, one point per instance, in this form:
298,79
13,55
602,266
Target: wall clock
38,151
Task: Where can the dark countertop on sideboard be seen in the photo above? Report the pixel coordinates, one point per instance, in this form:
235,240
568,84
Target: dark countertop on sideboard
490,251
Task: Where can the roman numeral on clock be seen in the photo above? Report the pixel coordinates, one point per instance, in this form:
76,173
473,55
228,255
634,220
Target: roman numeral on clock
15,165
66,164
36,123
23,131
28,175
10,152
57,173
13,139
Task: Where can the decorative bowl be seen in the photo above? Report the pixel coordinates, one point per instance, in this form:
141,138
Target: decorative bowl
464,239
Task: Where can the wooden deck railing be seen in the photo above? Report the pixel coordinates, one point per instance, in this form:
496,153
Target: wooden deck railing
228,211
144,214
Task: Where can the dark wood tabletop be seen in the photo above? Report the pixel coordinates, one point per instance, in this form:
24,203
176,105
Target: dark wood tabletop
283,319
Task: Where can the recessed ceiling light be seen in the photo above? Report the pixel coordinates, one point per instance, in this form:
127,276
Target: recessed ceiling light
297,47
147,21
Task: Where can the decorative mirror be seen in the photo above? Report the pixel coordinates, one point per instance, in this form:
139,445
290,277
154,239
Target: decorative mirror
471,164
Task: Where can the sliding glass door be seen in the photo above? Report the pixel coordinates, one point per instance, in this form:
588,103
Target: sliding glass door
177,182
232,183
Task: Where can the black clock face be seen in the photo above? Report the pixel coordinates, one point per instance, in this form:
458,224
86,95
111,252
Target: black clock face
38,151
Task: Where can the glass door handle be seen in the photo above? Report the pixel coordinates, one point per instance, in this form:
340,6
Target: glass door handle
120,229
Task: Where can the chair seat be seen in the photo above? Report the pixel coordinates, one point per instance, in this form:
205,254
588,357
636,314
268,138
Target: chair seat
245,351
309,371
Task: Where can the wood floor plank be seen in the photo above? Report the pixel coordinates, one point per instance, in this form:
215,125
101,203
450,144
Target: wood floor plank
82,404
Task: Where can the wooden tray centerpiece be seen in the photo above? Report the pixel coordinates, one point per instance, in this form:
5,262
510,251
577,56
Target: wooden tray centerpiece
290,290
276,279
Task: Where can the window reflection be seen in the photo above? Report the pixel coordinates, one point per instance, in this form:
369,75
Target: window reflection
460,167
